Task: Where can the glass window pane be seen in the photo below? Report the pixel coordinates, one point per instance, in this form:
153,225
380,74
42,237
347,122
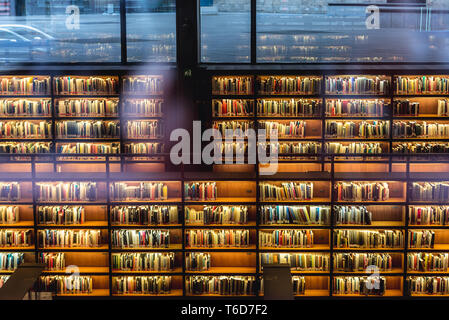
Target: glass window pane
60,31
225,31
151,30
299,31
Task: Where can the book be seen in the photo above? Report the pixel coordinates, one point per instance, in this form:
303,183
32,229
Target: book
423,129
428,285
357,85
152,148
297,261
143,261
197,261
25,107
92,148
145,191
66,284
286,191
87,129
353,215
144,215
73,85
286,238
288,85
23,129
9,191
61,215
67,191
217,238
421,238
405,108
232,85
15,238
307,215
145,129
9,261
142,285
200,191
369,129
217,215
288,107
422,85
353,147
25,147
144,107
356,107
54,261
428,262
359,262
143,84
421,147
428,215
362,191
23,85
221,285
87,107
372,285
146,238
9,214
232,108
368,238
3,280
292,129
235,128
430,191
290,147
61,238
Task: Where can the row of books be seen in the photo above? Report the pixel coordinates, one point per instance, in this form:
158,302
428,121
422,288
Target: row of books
372,285
291,147
198,261
307,215
148,129
122,191
225,85
143,84
25,107
66,284
421,238
62,238
9,214
288,108
428,215
428,285
61,215
297,261
10,260
86,85
131,238
232,107
430,191
410,129
54,261
201,191
143,261
286,191
232,128
25,129
217,238
286,238
217,215
292,129
356,107
67,191
421,147
144,215
144,148
25,147
352,215
425,262
87,129
145,107
298,285
357,85
87,107
141,285
15,238
92,148
9,191
368,239
360,262
25,85
221,285
353,147
289,85
405,108
364,129
422,85
362,191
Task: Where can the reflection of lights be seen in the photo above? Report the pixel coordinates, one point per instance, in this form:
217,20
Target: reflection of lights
204,46
242,58
336,59
304,58
334,37
432,47
337,48
431,38
369,59
361,38
272,59
242,47
304,38
262,38
396,58
274,49
304,48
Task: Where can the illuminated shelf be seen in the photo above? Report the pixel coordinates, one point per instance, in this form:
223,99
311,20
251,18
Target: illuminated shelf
388,293
313,248
173,293
225,270
170,247
103,247
82,270
95,293
86,224
314,293
127,272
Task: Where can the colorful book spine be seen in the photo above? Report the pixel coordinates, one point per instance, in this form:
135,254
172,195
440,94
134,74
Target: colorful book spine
67,284
147,238
232,85
144,107
289,85
217,238
74,191
286,238
49,238
9,261
143,85
88,129
356,107
9,214
221,285
85,85
362,191
361,262
144,215
142,285
143,261
217,215
25,107
297,261
61,215
144,191
428,285
232,108
200,191
24,85
303,215
87,108
22,129
368,239
366,286
198,261
53,260
145,129
286,191
288,108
